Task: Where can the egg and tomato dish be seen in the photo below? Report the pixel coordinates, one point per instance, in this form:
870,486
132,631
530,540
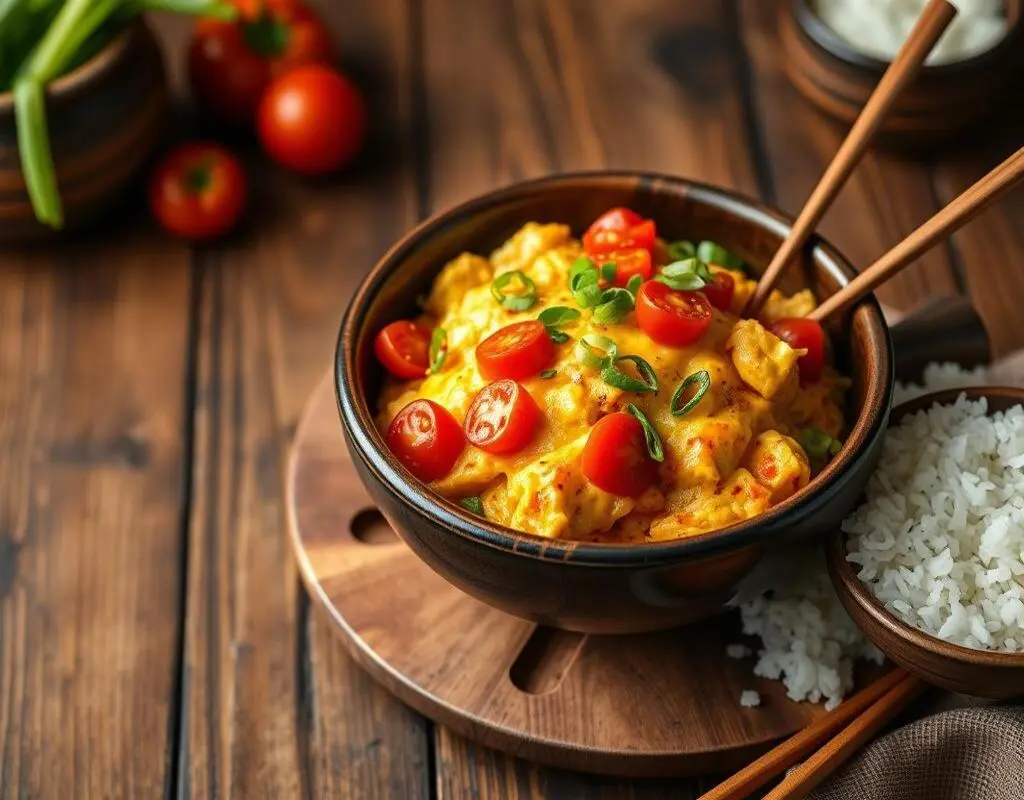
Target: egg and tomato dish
607,389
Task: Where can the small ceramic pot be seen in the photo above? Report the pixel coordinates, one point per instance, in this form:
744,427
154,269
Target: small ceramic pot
940,103
606,587
981,673
105,119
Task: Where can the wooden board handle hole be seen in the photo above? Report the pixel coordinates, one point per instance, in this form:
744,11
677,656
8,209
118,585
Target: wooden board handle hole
545,659
370,527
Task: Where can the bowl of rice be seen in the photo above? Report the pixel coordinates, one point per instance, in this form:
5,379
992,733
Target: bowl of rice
931,565
837,50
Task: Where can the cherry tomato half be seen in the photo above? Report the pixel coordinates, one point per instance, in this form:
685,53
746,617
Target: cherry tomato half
803,334
615,457
403,347
312,119
672,318
427,439
503,418
616,219
231,62
628,263
719,290
197,191
606,240
516,351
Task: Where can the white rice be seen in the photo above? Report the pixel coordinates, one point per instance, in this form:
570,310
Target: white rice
940,538
750,699
808,641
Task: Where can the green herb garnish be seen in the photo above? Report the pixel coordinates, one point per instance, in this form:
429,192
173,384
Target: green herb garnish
474,505
519,301
681,249
634,284
711,253
608,272
615,305
584,283
438,349
647,383
654,448
553,318
690,392
687,275
819,445
596,351
548,373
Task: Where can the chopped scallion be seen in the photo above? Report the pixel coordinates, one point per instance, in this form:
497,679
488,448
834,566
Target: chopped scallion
690,392
712,253
519,301
647,383
615,305
654,447
438,349
474,505
596,351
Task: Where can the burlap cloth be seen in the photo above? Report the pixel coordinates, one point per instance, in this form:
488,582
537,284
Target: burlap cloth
957,749
967,753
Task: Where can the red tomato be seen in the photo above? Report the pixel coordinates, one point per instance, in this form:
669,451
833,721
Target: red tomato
516,351
312,120
403,347
616,219
231,62
605,240
719,290
803,334
427,439
615,457
672,318
502,418
197,191
628,263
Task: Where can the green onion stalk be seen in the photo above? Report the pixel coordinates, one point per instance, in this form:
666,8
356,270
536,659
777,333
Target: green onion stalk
70,34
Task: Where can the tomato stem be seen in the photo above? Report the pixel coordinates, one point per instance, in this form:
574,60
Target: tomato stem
266,34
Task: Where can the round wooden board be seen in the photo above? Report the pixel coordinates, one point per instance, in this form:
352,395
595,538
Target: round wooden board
656,704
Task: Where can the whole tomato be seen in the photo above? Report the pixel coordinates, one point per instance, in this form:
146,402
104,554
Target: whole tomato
197,191
312,119
231,62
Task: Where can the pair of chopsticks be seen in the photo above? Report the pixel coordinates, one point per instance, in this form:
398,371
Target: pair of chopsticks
934,20
851,724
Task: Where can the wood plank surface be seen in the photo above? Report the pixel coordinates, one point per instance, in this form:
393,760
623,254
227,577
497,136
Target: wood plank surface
273,708
887,196
94,348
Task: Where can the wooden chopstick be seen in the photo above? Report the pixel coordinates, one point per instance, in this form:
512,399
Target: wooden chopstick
802,780
965,207
800,745
926,32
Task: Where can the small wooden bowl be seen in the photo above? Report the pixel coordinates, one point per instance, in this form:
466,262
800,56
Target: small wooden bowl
981,673
105,119
940,103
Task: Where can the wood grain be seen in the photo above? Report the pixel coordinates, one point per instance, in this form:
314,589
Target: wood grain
273,708
94,362
884,200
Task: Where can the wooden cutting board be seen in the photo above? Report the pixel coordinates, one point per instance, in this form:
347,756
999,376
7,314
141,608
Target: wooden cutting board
665,703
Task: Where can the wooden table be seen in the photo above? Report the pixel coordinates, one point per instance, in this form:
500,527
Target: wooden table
154,636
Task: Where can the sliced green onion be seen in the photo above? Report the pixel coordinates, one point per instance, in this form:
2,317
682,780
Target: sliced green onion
557,336
681,249
818,445
615,304
654,448
584,283
438,349
596,351
711,253
548,373
608,272
633,285
687,275
690,392
558,315
613,376
514,302
474,505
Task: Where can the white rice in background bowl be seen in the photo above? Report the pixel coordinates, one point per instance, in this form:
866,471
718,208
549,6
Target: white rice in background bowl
809,642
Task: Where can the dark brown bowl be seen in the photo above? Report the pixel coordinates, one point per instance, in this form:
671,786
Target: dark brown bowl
105,119
960,669
605,587
942,102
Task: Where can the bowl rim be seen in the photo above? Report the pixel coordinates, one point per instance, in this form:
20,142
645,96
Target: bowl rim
367,443
825,38
846,582
84,73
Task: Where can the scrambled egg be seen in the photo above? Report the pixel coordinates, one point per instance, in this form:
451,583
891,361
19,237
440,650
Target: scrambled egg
728,459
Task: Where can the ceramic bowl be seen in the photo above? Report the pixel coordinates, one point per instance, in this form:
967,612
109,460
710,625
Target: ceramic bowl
605,587
105,119
960,669
941,102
